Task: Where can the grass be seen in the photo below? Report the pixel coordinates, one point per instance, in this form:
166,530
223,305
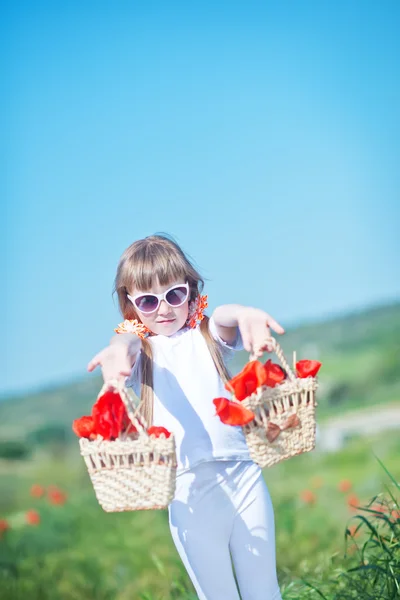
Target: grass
78,551
325,547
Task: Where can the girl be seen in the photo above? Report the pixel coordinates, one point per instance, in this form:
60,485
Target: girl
221,517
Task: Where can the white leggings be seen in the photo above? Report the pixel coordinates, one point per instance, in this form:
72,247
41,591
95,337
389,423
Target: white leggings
222,514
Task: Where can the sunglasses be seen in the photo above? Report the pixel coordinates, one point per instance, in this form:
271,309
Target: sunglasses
149,303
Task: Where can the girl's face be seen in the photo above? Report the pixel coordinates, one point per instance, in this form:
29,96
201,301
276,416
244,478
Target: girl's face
167,319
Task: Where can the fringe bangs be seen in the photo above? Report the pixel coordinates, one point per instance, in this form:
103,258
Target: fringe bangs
154,265
155,260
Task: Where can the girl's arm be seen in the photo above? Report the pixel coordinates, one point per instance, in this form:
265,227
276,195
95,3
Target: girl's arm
117,359
254,326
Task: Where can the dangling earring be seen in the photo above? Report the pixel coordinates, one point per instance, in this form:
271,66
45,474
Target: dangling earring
196,310
133,326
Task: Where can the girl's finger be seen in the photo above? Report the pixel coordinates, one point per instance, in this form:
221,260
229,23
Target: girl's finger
256,349
257,353
260,342
274,325
245,333
95,362
268,346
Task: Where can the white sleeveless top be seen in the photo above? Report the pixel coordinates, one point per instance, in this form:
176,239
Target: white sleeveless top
185,383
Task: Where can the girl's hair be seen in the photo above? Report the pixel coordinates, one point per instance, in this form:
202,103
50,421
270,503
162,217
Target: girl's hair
158,258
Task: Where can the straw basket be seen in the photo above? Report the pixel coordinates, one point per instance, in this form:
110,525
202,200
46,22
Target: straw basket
131,474
284,423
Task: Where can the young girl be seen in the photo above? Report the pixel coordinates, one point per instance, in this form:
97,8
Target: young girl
221,517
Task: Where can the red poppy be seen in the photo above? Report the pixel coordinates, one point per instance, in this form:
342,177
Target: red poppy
308,497
274,374
109,415
251,377
345,485
353,501
307,368
32,517
379,508
352,529
231,413
3,526
395,514
84,427
37,491
157,431
56,496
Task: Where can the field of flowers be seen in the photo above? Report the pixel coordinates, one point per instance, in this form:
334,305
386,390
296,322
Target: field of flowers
334,513
337,514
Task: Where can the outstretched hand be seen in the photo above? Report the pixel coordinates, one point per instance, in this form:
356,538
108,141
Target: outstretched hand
255,327
115,362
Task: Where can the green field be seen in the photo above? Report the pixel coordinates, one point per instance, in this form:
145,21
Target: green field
79,552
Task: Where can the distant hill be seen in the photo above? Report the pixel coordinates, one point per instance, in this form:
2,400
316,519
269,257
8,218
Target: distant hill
360,353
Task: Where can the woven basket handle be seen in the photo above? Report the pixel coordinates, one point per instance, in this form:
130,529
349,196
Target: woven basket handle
279,352
131,409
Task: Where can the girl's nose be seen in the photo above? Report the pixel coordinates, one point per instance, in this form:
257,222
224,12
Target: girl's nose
164,308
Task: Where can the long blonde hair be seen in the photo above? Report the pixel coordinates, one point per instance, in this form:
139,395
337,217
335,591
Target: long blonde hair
158,258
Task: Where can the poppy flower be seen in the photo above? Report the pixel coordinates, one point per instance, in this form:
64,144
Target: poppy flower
157,431
274,374
352,529
345,485
308,497
307,368
84,427
248,380
130,428
231,413
37,491
379,508
109,415
56,496
3,526
353,501
32,517
395,514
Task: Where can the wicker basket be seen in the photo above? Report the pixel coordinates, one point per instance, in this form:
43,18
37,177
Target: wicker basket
131,474
284,423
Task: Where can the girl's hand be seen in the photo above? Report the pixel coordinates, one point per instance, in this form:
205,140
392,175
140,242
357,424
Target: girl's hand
254,325
117,359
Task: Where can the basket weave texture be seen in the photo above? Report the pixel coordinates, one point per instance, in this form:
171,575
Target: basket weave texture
284,423
131,473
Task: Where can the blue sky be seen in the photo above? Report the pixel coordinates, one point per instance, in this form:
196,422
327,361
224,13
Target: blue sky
263,135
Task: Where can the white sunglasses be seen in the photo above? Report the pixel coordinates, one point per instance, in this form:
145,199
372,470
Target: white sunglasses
148,303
